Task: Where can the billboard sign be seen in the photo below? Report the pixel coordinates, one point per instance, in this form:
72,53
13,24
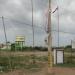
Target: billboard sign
20,38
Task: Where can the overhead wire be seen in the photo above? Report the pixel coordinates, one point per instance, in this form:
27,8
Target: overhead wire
23,23
64,32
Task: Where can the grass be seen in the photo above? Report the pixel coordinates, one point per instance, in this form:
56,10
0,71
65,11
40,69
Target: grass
21,62
26,62
42,58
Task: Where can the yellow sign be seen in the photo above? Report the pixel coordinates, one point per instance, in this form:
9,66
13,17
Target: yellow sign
20,38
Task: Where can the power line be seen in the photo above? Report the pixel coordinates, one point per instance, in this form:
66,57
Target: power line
65,32
21,22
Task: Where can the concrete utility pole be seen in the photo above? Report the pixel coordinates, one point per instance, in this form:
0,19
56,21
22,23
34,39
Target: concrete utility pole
50,63
4,30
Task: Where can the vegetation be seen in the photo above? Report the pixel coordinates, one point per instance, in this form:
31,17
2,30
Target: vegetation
70,65
68,48
21,62
36,48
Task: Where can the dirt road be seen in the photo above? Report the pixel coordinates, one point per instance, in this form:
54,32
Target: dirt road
56,71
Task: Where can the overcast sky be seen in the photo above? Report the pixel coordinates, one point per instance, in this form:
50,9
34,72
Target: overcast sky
17,16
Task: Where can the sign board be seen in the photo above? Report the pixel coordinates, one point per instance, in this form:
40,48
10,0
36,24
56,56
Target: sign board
20,39
58,56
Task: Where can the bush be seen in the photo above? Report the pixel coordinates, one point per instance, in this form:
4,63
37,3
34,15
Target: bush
12,47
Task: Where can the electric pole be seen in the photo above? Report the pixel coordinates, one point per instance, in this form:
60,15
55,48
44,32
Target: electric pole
33,57
58,24
50,63
32,22
6,41
4,30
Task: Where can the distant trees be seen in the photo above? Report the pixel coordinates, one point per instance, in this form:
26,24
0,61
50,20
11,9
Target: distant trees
26,48
36,48
68,48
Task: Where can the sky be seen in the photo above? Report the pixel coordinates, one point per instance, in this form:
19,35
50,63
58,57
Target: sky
18,20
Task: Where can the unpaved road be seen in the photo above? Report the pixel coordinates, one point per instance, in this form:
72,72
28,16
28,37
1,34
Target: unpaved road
56,71
64,71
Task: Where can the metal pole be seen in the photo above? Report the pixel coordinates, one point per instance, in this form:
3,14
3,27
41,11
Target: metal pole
71,51
33,57
32,22
58,24
50,63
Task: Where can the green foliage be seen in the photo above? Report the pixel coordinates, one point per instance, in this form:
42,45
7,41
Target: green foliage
36,48
27,48
13,47
68,48
17,47
40,48
66,65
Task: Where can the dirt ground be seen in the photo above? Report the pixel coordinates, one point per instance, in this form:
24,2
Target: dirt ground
64,71
56,71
